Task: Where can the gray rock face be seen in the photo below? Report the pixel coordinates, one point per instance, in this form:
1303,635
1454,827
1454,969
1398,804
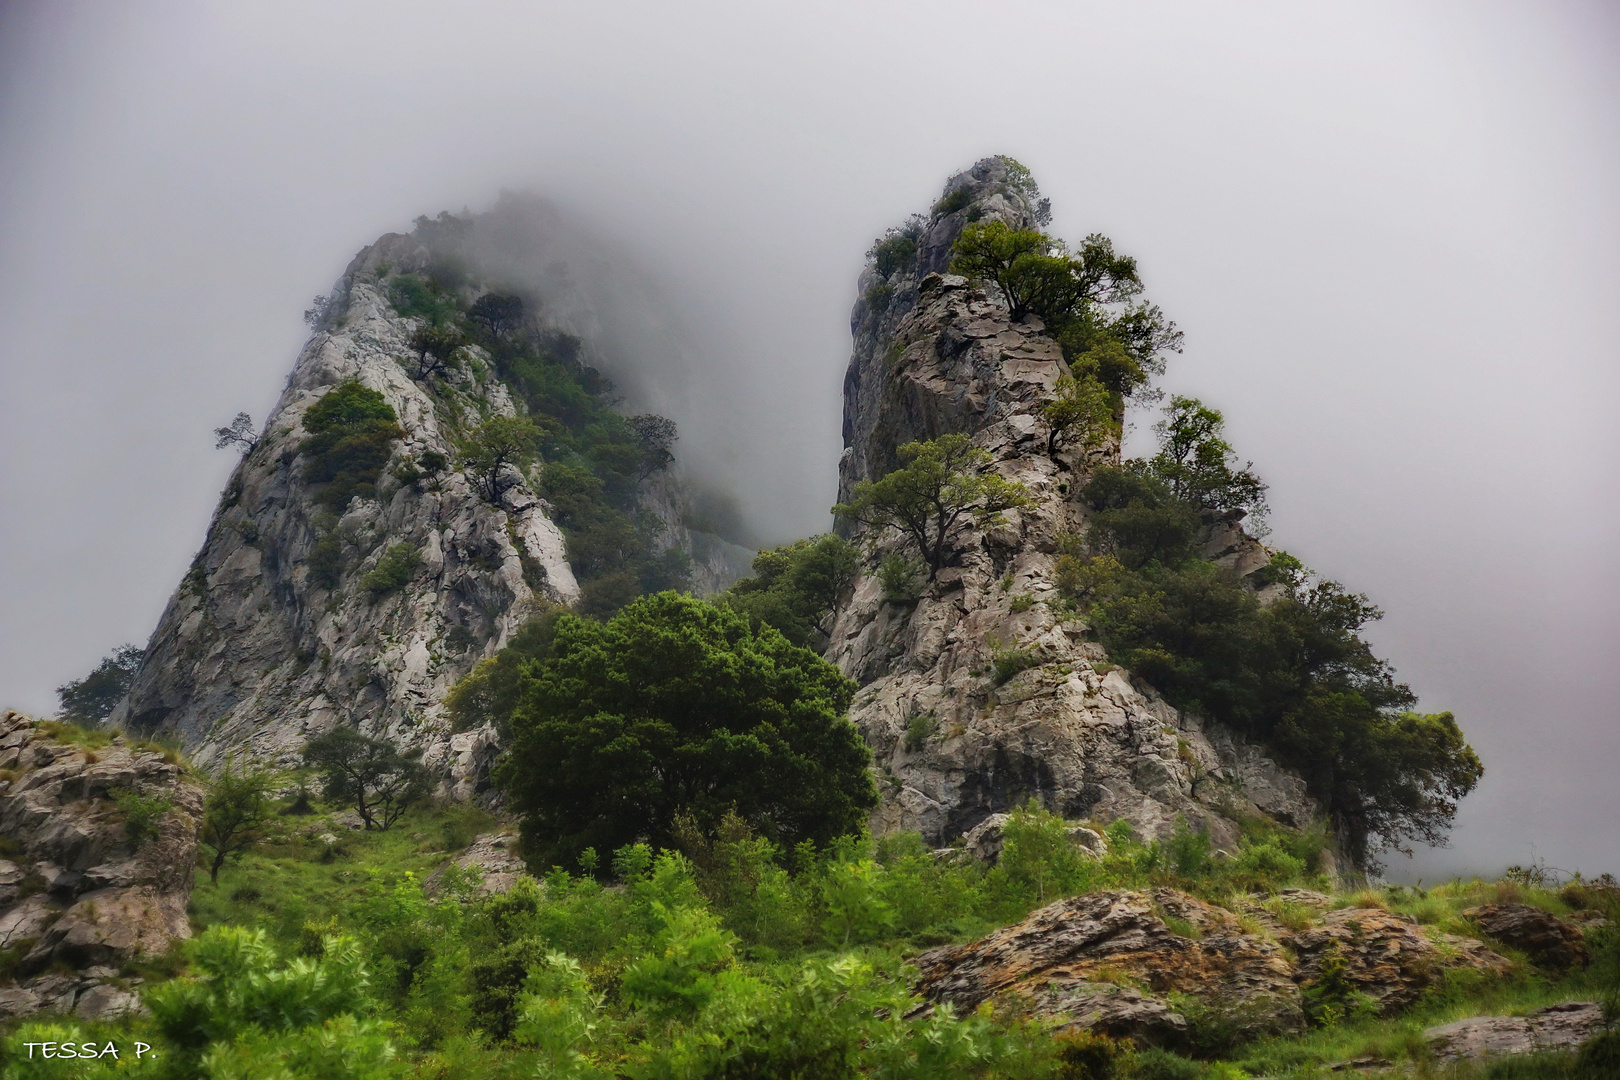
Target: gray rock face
78,894
255,655
935,355
1566,1026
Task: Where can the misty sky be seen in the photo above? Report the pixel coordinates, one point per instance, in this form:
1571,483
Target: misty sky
1391,232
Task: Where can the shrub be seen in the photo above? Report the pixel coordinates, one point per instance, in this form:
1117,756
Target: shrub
394,570
351,434
901,578
677,705
1005,663
141,813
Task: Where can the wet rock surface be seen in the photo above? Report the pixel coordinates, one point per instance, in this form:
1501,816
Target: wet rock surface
1548,940
84,893
1117,962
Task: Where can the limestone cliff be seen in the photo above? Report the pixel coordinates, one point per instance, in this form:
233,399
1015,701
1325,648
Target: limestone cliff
259,650
933,354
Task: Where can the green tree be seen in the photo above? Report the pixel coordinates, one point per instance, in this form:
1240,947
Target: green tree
91,699
435,348
1081,405
1087,299
1197,462
351,435
796,586
1293,673
676,705
374,776
237,813
940,482
490,455
656,436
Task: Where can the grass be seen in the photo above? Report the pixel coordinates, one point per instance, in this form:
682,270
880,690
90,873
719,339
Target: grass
301,881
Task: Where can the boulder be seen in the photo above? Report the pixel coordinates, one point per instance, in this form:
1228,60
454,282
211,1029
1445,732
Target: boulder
1550,941
491,855
1106,962
1558,1027
1388,957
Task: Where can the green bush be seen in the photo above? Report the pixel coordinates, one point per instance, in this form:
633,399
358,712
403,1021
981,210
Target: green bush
1293,673
680,706
795,587
351,435
394,570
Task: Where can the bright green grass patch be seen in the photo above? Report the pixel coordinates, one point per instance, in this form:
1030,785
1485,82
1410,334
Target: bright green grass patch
303,881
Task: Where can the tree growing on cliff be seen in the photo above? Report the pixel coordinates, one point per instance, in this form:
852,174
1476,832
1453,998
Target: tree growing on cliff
374,776
1080,406
1087,298
89,700
238,433
940,482
493,450
435,348
656,436
678,706
351,434
237,813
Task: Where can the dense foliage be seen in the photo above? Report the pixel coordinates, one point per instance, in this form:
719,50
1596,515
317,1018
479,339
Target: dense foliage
1292,671
796,586
592,459
89,700
351,435
718,958
679,707
938,482
378,779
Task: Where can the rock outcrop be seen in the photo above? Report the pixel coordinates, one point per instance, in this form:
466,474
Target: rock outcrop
1550,941
1567,1026
1123,964
933,354
258,650
100,847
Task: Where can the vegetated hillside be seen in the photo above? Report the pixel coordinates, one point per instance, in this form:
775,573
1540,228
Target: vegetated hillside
337,952
1147,740
1111,642
445,462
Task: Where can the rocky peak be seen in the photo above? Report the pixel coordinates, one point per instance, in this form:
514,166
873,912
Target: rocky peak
302,612
984,691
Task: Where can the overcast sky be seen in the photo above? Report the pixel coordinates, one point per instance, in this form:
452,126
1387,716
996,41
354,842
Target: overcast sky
1391,232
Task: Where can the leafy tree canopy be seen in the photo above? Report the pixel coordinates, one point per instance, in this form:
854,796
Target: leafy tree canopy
494,450
237,812
1087,298
679,706
351,434
795,587
374,776
91,699
1292,672
940,481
